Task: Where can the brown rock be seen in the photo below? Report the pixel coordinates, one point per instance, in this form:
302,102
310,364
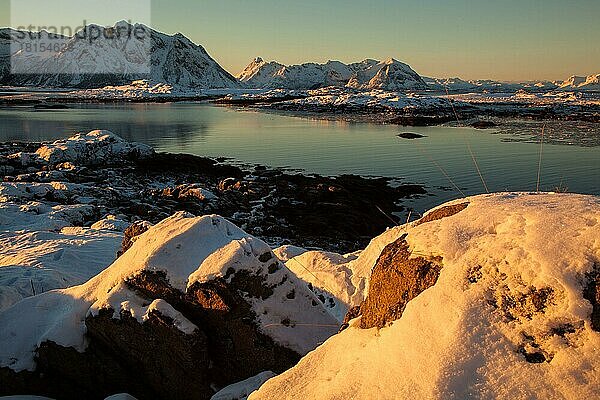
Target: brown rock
396,279
134,230
154,359
442,212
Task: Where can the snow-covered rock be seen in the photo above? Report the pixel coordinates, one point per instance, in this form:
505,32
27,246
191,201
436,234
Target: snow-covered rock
190,252
241,390
111,223
367,74
286,252
35,216
590,82
508,317
330,276
95,147
376,98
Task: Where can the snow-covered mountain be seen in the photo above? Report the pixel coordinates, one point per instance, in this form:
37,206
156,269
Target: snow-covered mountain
575,83
486,85
111,59
590,82
368,74
386,75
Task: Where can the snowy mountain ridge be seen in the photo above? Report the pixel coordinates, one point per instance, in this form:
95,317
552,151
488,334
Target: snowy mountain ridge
367,74
96,57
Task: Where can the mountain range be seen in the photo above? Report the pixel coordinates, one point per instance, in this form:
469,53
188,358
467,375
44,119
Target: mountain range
177,61
368,74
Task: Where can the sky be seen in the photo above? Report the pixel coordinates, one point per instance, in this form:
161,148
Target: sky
508,40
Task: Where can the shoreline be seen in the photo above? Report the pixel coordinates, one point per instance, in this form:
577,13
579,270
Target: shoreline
340,213
381,107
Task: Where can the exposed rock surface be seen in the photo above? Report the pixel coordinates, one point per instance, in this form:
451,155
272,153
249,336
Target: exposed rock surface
442,212
592,294
396,279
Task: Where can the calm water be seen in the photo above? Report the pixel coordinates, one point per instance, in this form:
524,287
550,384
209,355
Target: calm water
325,147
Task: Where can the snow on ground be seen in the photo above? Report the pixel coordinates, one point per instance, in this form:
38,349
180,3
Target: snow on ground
451,341
120,396
36,262
140,89
188,249
241,390
528,98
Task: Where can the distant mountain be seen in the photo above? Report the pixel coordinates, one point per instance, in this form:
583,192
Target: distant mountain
387,75
367,74
576,83
591,82
486,85
109,60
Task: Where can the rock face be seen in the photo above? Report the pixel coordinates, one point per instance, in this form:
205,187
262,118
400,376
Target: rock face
396,279
592,294
194,305
94,58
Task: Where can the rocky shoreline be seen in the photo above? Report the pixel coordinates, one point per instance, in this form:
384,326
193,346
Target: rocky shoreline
336,213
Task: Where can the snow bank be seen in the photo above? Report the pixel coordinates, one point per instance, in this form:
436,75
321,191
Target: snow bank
468,334
187,250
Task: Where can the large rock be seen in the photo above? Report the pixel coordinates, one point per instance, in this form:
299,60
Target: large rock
95,147
513,312
194,304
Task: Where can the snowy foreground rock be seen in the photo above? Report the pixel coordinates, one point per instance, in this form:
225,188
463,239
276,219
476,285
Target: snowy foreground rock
195,304
494,296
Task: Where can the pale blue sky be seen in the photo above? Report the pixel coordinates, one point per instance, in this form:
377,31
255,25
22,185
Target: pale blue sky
503,39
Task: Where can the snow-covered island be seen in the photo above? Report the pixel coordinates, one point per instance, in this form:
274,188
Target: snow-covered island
97,300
